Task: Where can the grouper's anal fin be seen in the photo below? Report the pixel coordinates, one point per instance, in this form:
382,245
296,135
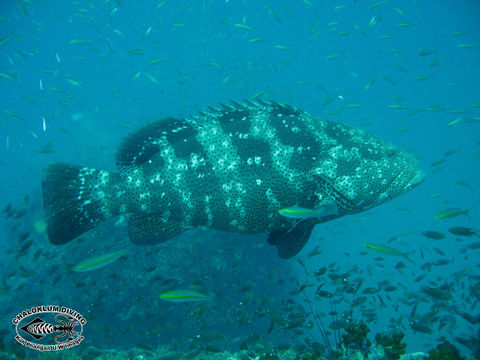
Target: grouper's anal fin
149,229
290,242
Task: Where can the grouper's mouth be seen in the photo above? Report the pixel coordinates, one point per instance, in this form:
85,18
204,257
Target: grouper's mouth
407,179
418,177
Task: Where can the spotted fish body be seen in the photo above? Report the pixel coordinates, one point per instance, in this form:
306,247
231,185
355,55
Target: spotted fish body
231,168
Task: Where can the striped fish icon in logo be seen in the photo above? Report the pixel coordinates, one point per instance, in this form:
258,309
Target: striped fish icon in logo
38,328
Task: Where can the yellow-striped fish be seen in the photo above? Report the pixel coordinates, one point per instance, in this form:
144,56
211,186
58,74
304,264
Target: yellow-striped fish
297,212
244,27
79,42
450,213
185,295
98,262
388,250
384,249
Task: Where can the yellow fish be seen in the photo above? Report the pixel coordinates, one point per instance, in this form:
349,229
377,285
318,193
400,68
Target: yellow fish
98,262
297,212
450,213
185,295
384,249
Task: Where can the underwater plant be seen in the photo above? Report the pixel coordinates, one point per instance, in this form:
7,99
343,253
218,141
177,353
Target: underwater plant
353,344
308,357
471,342
355,337
392,344
444,351
269,356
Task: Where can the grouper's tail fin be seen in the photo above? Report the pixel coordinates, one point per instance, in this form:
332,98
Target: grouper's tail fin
75,199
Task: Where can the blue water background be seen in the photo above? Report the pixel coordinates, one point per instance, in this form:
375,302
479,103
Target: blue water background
206,59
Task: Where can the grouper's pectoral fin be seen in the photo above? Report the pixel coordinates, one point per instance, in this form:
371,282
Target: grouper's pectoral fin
290,242
149,229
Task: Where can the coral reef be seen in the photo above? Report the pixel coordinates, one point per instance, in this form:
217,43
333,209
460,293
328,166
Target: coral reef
392,344
269,356
445,351
355,337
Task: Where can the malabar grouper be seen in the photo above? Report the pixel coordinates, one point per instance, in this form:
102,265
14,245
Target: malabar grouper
231,168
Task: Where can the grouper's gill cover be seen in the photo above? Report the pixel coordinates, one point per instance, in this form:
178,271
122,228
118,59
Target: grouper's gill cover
232,168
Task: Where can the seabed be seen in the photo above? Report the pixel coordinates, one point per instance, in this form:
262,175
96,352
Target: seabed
168,353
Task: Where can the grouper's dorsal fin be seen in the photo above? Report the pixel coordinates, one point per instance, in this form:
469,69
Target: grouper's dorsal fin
290,242
141,145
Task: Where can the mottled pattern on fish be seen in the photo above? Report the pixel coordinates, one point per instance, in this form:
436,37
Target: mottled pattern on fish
231,168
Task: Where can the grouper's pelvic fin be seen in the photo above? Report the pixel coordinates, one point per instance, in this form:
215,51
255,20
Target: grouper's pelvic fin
290,242
76,199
